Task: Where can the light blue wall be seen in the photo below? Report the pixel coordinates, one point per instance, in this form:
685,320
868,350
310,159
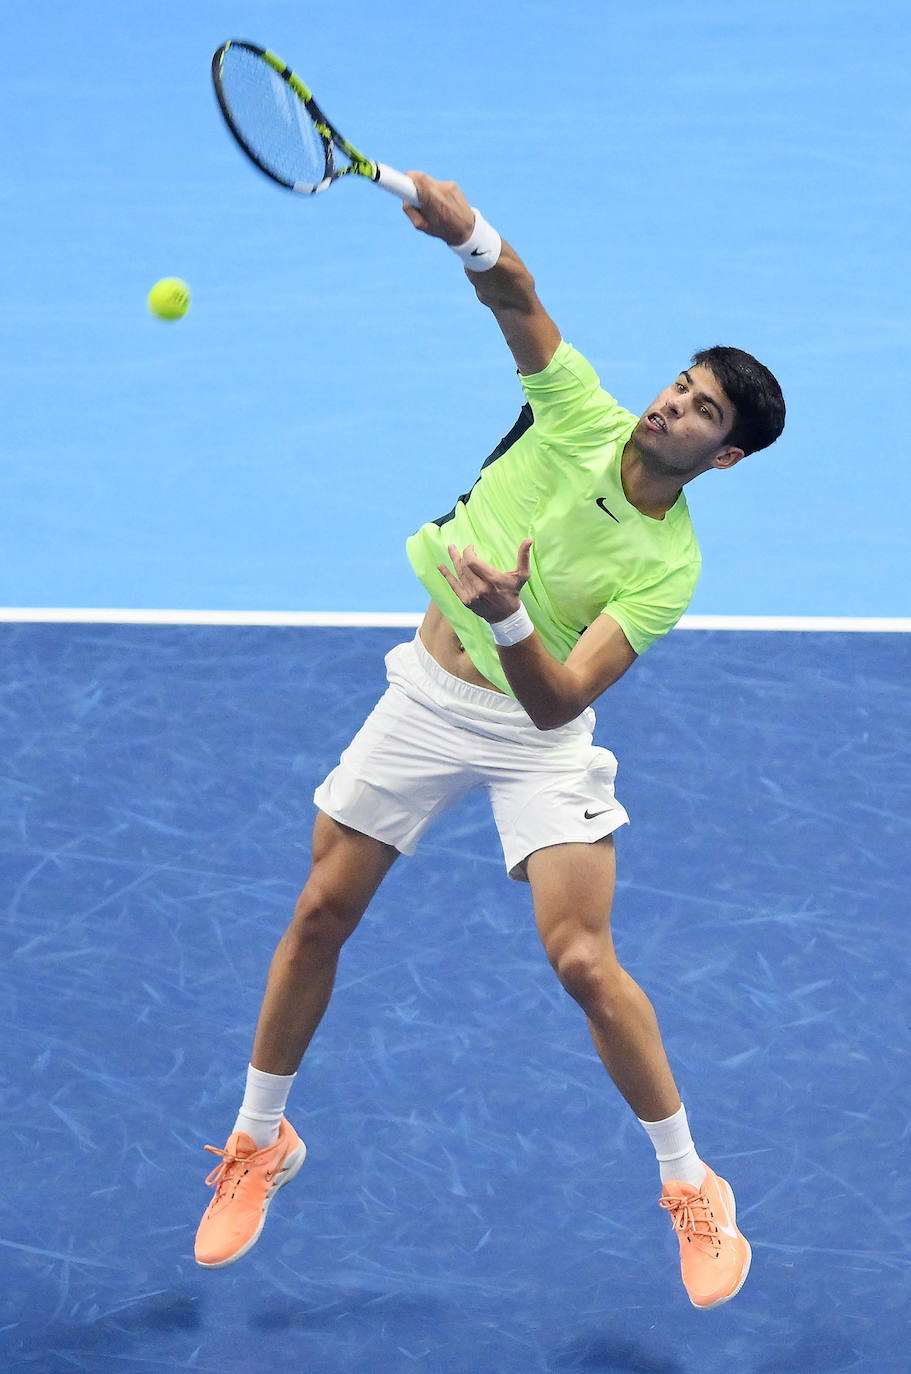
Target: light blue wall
674,176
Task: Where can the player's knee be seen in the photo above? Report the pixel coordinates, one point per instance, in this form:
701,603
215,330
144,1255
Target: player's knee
323,918
588,970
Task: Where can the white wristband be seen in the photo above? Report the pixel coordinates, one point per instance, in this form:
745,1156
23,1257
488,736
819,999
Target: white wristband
514,628
481,251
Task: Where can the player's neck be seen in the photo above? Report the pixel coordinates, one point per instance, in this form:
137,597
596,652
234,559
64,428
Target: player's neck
652,493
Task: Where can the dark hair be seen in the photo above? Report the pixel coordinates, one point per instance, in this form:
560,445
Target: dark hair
754,393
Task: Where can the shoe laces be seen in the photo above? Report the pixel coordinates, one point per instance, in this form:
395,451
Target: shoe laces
226,1172
690,1215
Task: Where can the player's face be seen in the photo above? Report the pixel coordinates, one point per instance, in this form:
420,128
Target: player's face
685,427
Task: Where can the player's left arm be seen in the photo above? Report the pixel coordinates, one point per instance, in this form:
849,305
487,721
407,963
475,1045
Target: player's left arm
552,693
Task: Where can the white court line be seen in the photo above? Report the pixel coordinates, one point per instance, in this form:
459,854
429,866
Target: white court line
891,624
77,615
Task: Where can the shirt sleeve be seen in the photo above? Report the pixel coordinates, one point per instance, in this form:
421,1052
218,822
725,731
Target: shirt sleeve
647,613
567,398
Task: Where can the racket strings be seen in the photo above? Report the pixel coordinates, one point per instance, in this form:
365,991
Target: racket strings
272,121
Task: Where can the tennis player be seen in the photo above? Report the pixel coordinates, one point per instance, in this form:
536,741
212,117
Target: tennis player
572,553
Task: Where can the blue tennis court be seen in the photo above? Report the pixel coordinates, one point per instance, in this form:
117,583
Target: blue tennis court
477,1197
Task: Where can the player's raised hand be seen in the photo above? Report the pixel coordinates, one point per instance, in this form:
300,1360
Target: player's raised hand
443,213
491,594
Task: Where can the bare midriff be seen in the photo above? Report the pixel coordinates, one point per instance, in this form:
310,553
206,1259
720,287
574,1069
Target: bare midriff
442,643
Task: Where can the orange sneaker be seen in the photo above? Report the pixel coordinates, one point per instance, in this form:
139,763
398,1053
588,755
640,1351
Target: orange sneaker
714,1256
245,1182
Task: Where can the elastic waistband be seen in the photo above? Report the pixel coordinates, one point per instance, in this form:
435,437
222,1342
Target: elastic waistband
481,704
468,692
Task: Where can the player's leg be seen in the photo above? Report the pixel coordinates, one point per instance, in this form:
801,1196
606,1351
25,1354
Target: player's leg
264,1151
346,870
402,769
573,889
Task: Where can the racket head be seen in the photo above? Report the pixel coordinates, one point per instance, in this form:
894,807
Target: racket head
274,119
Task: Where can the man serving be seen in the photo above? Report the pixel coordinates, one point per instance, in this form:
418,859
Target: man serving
571,555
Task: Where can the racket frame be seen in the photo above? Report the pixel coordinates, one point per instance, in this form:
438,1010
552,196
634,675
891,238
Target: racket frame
358,165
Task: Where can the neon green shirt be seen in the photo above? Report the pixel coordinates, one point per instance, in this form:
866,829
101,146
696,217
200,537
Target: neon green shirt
594,554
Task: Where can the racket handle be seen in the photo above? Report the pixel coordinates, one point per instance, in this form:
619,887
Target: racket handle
396,183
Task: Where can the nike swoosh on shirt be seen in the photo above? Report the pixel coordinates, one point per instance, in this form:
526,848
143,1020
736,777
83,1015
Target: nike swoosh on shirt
590,815
600,502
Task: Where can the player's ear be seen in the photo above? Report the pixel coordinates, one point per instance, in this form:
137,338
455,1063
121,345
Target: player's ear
727,458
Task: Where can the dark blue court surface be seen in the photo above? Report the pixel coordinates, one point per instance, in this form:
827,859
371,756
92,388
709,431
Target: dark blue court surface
477,1197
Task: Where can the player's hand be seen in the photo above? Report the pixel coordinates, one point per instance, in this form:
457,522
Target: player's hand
491,594
443,213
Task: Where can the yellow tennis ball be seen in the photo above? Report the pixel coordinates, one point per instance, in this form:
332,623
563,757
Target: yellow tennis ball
169,298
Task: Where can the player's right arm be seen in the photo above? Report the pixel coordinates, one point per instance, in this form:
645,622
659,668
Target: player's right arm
507,289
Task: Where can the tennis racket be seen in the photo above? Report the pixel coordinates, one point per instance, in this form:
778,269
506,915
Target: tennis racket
278,124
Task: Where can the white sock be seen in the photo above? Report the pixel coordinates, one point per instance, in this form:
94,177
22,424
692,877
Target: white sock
674,1149
263,1106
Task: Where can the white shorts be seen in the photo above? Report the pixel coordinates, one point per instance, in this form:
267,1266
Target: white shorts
432,737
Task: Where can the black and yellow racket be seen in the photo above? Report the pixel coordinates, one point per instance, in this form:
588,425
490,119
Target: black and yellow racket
278,124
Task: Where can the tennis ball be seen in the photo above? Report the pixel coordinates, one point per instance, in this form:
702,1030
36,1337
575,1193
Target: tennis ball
169,298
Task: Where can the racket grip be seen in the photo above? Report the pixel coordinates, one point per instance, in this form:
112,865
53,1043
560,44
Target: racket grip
396,183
